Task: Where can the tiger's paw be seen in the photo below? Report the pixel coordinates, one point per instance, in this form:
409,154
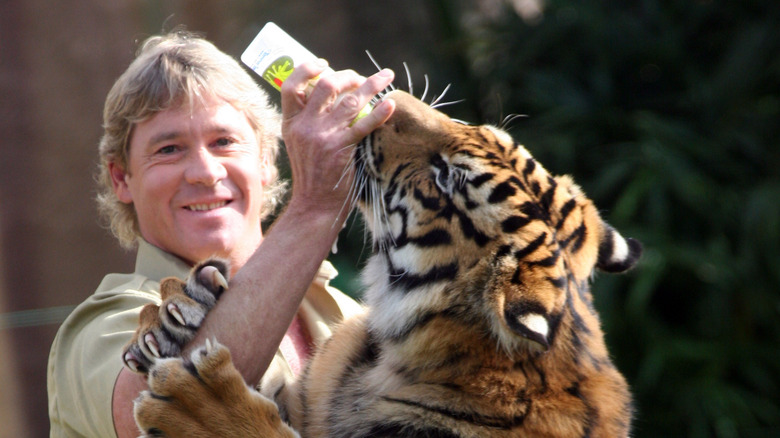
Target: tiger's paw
164,330
205,397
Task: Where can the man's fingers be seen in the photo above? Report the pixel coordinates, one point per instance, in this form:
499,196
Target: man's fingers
341,94
375,83
365,125
330,91
332,107
297,86
348,105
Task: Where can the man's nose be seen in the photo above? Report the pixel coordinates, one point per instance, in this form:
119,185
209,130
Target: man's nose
204,168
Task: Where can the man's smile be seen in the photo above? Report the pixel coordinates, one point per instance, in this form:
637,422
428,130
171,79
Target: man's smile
206,207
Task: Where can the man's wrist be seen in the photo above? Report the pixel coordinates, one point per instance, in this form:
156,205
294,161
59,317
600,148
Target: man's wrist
319,215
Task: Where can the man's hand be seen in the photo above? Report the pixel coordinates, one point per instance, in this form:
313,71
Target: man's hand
319,132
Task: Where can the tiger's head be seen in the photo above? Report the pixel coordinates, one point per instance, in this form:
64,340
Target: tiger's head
464,220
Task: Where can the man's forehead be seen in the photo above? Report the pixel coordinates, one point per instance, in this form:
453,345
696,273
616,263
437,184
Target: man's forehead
183,120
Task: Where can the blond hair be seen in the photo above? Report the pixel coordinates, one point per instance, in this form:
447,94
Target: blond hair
172,70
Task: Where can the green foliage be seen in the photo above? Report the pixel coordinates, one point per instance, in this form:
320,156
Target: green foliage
667,114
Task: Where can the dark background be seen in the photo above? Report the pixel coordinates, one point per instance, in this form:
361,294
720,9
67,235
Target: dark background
665,112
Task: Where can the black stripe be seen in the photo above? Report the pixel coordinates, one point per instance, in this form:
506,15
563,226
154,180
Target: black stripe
546,201
577,320
159,397
578,237
502,251
536,385
397,429
427,202
559,282
490,156
547,261
554,322
153,431
521,254
530,166
517,182
379,158
435,237
606,247
533,211
190,367
481,179
470,231
501,192
574,390
398,170
514,223
407,281
535,188
389,193
516,277
401,238
583,291
476,419
567,208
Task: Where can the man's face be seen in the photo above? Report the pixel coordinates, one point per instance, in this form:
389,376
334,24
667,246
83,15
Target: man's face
195,178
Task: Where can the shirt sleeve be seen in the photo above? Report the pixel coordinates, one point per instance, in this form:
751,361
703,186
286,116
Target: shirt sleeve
85,361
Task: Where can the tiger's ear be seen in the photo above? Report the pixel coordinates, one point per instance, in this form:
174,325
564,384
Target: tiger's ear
617,253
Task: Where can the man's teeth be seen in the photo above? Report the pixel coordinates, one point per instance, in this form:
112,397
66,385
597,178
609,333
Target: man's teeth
205,207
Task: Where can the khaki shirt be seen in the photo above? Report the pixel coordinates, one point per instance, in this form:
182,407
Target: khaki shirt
85,357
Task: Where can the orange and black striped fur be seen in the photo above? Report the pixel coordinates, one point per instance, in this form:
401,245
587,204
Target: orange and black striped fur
480,320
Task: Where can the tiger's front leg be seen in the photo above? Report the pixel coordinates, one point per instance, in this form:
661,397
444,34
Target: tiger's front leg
205,397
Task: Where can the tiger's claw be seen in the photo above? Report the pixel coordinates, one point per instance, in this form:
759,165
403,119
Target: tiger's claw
132,363
151,343
173,309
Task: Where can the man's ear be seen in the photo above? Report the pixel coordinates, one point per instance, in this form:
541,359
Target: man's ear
268,172
119,183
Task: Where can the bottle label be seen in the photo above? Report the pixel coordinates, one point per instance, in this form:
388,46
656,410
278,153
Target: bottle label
274,54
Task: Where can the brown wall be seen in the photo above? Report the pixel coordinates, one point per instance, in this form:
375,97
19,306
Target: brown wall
57,61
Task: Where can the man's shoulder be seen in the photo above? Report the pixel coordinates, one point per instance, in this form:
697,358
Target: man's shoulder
85,356
118,294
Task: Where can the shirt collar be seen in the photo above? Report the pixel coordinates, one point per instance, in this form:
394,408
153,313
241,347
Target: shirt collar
156,264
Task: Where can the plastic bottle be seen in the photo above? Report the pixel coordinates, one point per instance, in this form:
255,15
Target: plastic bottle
274,55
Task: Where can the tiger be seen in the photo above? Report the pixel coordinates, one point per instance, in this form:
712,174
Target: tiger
479,318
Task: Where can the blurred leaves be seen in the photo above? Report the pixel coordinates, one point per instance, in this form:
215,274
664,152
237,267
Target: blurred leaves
667,114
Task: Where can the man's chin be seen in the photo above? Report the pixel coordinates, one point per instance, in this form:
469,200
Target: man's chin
234,250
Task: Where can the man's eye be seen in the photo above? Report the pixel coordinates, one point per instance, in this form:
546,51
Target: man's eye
224,141
165,150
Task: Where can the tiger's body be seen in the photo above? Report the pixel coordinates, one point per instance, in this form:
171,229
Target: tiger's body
480,320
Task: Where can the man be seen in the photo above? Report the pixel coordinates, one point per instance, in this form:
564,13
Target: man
187,167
